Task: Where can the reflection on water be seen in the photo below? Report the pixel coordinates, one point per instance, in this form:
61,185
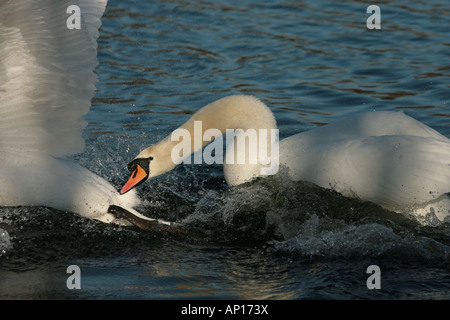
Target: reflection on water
312,62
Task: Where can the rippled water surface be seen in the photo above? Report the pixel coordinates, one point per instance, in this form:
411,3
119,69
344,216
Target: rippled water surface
312,62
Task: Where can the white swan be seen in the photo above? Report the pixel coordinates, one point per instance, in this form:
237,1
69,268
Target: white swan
46,84
384,157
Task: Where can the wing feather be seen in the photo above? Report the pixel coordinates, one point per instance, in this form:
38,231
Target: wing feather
47,74
394,171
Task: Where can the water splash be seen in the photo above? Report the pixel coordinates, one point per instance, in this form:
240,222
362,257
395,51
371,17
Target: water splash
302,219
5,242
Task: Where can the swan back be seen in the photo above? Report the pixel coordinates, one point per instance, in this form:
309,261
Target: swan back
377,123
385,157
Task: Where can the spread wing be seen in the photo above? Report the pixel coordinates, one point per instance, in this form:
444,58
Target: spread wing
46,74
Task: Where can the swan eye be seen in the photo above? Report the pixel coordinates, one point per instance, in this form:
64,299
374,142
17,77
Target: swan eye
144,163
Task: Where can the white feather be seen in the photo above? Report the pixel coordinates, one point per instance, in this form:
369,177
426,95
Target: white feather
47,81
385,157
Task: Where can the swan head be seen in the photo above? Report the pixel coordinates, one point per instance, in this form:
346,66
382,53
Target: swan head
140,168
150,163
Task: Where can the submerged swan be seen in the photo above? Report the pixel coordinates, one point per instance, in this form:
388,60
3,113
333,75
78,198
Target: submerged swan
46,84
384,157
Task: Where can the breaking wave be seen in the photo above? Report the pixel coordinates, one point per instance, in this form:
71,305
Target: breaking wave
295,218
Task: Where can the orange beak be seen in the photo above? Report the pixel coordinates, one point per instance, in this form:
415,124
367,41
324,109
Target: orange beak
138,176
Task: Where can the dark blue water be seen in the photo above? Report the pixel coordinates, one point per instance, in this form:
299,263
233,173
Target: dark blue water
312,62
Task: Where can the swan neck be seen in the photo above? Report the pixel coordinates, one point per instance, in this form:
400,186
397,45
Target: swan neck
228,114
246,123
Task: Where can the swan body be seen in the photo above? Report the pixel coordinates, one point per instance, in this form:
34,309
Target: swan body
46,84
385,157
41,180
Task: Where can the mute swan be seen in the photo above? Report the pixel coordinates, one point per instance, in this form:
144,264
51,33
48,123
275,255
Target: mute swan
384,157
46,83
